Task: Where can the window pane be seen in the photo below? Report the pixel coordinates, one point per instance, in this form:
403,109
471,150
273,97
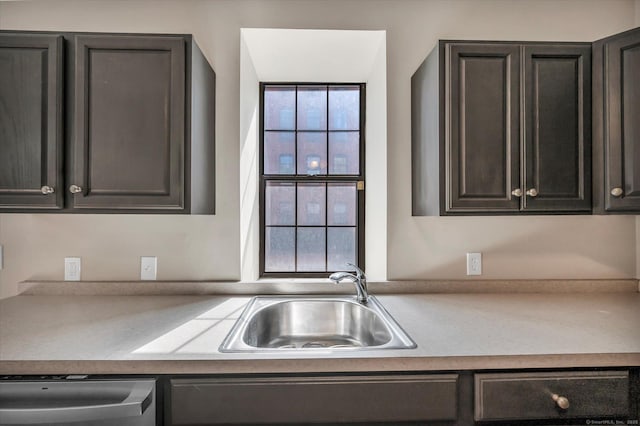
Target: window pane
344,108
279,153
311,204
311,249
280,202
344,153
312,153
279,108
312,108
279,250
341,204
341,248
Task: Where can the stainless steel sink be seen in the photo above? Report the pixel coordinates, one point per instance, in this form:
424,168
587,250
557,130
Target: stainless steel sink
275,324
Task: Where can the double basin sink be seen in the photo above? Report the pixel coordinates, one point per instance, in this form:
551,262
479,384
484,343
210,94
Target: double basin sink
285,324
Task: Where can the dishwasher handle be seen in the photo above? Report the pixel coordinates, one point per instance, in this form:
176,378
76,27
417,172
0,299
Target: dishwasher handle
134,405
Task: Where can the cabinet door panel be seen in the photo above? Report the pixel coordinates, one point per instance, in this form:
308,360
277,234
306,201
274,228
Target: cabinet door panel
558,127
30,121
129,122
306,400
482,139
622,122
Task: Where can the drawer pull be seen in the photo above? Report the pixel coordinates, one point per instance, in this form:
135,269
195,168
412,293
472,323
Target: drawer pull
617,192
561,401
46,190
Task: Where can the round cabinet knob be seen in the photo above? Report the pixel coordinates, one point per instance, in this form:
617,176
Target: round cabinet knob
46,190
532,192
616,192
517,192
561,401
74,189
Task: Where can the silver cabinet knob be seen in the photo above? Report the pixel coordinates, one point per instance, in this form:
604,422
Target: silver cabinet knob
74,189
616,192
46,190
517,192
532,192
561,401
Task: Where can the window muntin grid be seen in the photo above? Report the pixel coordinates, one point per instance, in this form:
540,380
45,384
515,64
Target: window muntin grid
311,217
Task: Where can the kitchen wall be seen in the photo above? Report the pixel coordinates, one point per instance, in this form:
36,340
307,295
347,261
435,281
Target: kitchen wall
1,260
638,249
208,247
637,24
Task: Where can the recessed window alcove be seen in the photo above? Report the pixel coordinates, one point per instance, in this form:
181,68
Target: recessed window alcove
296,55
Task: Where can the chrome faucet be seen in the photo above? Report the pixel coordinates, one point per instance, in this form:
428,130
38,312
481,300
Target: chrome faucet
359,279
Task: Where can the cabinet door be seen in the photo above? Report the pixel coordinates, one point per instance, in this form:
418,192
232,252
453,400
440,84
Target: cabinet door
129,123
307,400
557,144
622,122
30,122
482,153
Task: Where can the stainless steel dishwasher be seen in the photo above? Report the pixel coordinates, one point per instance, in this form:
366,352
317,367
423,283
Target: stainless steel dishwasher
78,402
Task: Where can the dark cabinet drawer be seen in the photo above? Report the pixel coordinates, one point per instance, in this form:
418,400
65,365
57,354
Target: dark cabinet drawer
313,399
535,396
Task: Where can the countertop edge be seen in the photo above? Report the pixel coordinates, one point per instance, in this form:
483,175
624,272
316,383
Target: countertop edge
335,365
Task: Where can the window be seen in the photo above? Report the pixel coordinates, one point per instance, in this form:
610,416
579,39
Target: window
311,178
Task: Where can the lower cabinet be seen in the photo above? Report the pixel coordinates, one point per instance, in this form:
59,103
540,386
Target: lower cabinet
535,396
481,398
336,399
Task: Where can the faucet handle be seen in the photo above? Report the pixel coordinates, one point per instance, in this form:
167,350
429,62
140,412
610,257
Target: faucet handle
359,272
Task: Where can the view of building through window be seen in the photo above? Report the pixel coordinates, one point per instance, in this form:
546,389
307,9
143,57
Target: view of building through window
311,162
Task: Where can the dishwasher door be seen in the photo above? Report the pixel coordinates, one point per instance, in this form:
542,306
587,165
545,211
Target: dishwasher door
82,402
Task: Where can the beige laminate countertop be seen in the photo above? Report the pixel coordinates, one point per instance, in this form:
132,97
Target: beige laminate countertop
181,334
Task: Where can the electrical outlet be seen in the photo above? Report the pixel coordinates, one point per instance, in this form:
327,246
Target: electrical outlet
72,268
148,268
474,263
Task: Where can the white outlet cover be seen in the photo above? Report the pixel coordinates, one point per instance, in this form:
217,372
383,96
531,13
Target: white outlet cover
148,268
72,268
474,263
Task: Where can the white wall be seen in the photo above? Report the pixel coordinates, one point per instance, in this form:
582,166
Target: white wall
249,168
637,13
209,247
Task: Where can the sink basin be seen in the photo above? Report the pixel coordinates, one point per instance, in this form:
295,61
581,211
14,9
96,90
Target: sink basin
278,324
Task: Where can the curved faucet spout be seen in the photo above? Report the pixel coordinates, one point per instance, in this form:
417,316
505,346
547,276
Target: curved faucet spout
359,279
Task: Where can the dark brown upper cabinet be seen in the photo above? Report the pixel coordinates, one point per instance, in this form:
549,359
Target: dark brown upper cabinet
31,121
502,128
557,128
616,123
139,127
